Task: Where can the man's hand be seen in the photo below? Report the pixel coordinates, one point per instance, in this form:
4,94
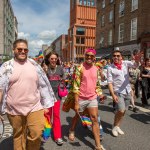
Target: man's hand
76,107
46,110
115,98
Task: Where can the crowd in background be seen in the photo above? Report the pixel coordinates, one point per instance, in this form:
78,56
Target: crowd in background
84,82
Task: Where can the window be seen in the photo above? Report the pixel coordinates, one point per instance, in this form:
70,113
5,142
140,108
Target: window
134,5
121,33
77,40
101,42
80,2
121,8
134,29
88,3
92,2
110,37
80,31
80,40
103,3
85,2
111,16
102,21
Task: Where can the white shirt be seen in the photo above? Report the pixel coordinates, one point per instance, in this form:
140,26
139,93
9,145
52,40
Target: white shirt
120,78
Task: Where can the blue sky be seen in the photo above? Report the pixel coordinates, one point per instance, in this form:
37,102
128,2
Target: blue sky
41,21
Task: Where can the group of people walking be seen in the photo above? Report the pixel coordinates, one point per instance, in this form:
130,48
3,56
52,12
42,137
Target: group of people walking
29,90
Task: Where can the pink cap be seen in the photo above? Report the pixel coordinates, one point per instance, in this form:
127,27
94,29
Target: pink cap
90,50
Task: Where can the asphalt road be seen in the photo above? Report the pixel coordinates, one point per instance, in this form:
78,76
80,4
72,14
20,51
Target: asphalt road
135,125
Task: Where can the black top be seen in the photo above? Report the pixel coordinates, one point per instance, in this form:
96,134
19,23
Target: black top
54,76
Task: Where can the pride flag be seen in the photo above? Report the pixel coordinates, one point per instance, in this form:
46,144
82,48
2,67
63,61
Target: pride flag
40,54
47,128
86,121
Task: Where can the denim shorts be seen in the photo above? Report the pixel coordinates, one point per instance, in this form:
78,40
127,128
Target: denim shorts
123,101
87,104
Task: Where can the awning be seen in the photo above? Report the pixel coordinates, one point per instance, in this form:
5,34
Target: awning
102,52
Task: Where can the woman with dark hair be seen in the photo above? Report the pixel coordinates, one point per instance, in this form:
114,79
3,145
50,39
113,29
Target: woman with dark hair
146,82
55,75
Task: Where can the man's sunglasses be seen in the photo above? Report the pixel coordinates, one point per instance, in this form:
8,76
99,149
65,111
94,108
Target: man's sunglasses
117,56
22,49
87,55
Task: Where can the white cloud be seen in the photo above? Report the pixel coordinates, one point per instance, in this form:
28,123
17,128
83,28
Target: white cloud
23,35
41,22
35,46
47,35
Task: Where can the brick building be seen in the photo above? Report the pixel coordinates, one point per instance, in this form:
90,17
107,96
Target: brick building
124,24
81,32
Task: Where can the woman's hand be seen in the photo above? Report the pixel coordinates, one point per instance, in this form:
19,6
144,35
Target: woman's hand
1,118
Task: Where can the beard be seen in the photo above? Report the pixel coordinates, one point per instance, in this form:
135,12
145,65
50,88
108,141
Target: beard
19,58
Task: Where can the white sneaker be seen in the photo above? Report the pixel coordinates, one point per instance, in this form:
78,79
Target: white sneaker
102,147
115,131
120,131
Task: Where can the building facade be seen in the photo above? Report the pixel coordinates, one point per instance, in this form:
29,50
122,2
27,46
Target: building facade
124,24
59,45
82,29
8,29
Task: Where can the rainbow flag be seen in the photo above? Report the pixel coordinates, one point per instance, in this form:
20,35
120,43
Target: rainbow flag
86,121
40,54
47,128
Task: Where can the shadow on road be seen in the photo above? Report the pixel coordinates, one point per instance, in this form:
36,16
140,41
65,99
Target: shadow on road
7,144
81,133
106,127
144,118
105,108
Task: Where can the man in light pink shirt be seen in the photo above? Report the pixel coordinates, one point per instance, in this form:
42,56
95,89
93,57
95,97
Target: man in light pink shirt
25,90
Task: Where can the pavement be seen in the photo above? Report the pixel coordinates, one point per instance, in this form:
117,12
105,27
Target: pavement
135,125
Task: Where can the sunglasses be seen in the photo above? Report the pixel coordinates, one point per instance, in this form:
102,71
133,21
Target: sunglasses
87,55
54,59
117,56
22,49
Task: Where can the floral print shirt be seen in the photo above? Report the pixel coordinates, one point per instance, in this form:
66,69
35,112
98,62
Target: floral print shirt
77,78
47,95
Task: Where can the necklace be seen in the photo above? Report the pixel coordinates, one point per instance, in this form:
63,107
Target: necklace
53,71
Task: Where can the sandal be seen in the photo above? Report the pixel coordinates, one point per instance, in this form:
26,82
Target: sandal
100,148
71,135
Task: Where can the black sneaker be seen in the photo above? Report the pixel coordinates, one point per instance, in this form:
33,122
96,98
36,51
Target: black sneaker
135,109
130,107
59,141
